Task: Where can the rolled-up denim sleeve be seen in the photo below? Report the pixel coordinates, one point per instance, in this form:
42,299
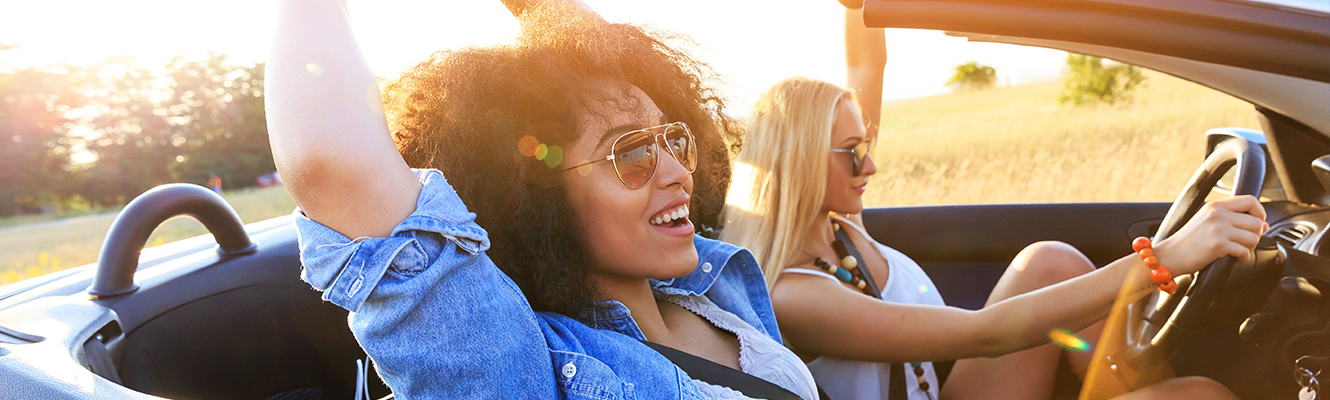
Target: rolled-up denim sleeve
435,314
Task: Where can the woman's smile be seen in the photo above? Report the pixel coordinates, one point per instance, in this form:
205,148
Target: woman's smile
672,219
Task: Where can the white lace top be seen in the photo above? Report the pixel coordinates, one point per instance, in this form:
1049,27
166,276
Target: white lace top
862,380
759,354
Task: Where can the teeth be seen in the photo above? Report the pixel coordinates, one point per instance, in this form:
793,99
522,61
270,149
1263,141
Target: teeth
681,212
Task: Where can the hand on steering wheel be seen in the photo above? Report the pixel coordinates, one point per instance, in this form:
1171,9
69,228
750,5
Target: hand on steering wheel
1229,227
1199,243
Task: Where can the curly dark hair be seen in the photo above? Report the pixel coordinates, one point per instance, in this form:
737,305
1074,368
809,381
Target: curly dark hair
464,112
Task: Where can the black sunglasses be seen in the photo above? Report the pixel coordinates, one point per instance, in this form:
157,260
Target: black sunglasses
859,153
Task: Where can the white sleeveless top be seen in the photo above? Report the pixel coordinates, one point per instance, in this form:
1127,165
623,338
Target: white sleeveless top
862,380
759,354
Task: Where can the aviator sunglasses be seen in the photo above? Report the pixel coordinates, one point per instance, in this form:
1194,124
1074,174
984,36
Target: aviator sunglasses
858,153
636,154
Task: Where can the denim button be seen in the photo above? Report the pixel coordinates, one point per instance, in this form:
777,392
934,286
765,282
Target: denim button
569,370
706,267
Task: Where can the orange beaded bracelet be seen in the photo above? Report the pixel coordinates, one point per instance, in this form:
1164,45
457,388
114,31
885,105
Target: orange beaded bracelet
1158,273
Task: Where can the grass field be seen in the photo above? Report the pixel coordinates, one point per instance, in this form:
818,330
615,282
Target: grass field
44,247
1018,145
1005,145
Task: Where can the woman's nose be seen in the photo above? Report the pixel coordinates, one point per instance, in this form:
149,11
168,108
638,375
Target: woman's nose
869,167
670,170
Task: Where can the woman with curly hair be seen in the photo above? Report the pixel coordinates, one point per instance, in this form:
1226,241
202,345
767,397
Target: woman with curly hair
563,237
807,155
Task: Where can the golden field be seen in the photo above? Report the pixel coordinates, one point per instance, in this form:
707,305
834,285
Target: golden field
1018,145
40,248
1004,145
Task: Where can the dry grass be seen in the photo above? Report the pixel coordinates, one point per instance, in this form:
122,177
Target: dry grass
45,247
1007,145
1018,145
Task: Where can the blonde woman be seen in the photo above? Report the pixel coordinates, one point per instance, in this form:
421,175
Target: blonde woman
805,157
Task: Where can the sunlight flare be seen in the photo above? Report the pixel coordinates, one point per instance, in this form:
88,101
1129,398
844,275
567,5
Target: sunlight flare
1068,340
741,187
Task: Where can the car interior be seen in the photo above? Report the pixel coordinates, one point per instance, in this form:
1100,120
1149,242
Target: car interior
226,315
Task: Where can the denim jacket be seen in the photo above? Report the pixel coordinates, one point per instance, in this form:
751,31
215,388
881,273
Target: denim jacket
440,320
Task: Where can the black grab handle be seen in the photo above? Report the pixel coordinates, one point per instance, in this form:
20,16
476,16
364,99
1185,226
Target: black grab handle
119,258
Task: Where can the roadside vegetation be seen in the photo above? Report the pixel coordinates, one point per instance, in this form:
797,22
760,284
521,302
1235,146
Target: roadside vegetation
1004,145
972,76
1020,145
41,248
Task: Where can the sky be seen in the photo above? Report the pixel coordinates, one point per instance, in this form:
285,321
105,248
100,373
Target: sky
752,44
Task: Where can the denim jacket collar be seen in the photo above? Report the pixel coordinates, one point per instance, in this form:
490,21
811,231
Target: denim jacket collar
712,255
712,258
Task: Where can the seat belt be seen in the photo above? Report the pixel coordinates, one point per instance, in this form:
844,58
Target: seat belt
896,385
716,374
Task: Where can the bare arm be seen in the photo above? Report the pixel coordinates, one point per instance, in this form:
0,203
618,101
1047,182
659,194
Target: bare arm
871,330
329,137
822,317
865,58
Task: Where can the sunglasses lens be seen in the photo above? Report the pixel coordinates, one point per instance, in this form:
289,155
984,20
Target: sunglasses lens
635,158
861,151
681,145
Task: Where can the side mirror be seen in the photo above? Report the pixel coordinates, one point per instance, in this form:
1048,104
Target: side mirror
1271,190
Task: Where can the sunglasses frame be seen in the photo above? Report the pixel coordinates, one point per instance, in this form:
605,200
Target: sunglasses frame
657,140
856,160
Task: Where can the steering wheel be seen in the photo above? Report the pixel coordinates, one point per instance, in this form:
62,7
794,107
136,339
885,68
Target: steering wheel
1157,325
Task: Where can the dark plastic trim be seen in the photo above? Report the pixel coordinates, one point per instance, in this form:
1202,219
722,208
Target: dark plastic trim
124,242
1246,35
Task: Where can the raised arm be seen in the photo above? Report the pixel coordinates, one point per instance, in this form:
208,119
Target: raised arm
325,117
812,309
865,58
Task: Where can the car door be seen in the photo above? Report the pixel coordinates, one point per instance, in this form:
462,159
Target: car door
1274,57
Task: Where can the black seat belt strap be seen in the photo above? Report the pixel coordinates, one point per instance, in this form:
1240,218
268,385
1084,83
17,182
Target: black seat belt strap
896,385
844,238
716,374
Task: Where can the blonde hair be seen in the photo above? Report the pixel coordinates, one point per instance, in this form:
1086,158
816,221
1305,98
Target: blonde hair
779,179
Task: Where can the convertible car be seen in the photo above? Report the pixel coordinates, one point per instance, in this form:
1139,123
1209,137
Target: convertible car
226,315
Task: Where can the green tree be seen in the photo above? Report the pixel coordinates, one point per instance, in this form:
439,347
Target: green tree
195,118
973,76
225,129
133,136
1092,81
34,143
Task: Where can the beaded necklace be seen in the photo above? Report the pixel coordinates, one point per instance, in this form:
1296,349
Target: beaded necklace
850,272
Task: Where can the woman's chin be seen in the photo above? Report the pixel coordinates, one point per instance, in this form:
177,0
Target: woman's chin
677,266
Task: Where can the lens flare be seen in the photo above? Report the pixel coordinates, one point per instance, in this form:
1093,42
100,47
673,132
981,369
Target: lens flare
553,156
315,69
742,195
541,151
923,288
1068,340
527,145
585,169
